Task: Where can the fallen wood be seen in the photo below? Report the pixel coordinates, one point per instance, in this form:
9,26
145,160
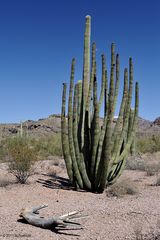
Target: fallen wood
32,217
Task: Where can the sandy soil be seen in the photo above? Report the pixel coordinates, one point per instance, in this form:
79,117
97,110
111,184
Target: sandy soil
109,218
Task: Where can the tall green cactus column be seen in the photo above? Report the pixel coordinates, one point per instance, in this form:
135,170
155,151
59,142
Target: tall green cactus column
95,153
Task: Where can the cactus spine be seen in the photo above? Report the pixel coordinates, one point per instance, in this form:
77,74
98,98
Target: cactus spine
94,153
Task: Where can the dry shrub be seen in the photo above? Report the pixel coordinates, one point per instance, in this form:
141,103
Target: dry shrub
157,181
21,157
138,232
4,182
56,162
153,234
149,162
52,172
136,163
152,168
121,188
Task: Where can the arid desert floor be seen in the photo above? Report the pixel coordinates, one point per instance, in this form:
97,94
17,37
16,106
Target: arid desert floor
108,217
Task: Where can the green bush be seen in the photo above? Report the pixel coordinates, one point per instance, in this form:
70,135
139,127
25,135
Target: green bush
21,157
148,144
48,146
43,147
3,151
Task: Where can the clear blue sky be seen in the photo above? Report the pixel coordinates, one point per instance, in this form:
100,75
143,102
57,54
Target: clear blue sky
38,39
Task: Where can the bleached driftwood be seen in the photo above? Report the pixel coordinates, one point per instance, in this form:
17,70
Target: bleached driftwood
32,217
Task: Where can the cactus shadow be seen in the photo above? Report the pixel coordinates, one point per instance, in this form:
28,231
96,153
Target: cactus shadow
56,182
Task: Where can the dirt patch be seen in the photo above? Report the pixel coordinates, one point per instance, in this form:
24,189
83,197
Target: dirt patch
109,218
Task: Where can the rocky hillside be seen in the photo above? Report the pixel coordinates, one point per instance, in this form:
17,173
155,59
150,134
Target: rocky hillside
52,124
157,121
146,127
40,128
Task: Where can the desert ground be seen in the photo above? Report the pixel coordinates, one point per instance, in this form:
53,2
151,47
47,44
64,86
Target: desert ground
109,217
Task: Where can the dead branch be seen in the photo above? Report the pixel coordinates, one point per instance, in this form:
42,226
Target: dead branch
32,217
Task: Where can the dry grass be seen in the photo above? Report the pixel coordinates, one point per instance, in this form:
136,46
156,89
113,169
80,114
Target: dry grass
149,162
153,234
152,168
157,181
136,163
4,182
121,188
56,162
52,172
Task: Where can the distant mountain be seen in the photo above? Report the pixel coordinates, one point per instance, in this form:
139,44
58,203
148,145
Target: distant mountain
40,128
146,127
52,124
157,121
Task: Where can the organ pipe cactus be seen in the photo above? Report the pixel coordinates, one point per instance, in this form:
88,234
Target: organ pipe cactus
95,151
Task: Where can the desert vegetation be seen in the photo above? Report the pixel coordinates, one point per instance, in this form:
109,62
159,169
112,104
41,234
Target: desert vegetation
153,234
47,146
122,188
148,144
43,146
157,181
21,157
